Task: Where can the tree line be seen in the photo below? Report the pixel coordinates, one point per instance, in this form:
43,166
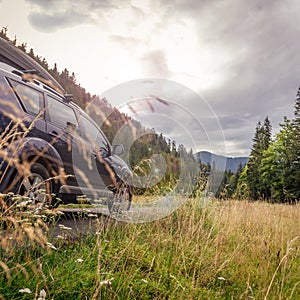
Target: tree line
273,169
110,119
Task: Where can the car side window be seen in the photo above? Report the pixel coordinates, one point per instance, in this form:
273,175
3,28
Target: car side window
93,135
61,115
31,99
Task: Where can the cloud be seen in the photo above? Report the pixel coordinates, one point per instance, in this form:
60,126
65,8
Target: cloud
252,48
126,41
52,22
89,4
260,75
155,64
45,4
49,16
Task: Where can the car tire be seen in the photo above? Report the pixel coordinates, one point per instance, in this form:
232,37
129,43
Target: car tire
36,186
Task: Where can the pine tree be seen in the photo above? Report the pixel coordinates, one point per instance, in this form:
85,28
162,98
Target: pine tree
261,142
280,165
242,190
297,105
267,133
3,33
272,166
292,167
253,164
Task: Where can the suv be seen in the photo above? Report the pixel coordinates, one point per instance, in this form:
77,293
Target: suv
47,143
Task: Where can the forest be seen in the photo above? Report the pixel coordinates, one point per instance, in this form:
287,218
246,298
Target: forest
273,171
271,174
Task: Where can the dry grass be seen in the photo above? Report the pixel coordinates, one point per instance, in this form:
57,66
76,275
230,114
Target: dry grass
226,250
265,240
222,250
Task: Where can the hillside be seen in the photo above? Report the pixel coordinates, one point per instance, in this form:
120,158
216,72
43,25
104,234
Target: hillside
219,161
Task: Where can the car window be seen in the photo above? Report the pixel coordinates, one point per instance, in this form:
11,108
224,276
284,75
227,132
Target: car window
61,115
92,134
30,98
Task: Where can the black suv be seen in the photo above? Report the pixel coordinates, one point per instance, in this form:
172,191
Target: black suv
49,144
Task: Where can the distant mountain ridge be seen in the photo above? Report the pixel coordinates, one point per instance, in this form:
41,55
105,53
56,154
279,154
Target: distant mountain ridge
221,162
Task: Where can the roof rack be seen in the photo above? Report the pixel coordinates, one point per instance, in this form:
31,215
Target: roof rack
30,71
68,98
41,84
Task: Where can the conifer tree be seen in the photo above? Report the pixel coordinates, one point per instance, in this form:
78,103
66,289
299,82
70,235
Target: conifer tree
292,167
253,164
261,142
273,165
297,105
280,166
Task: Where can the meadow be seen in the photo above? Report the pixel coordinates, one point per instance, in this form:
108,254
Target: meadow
222,250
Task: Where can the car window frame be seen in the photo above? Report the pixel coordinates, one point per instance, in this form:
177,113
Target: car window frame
107,147
48,114
23,102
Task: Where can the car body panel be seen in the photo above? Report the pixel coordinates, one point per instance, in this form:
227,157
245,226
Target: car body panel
55,139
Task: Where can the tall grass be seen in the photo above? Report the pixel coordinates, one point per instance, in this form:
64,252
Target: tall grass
224,250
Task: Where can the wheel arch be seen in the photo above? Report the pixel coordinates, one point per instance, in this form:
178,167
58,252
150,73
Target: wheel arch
32,149
40,151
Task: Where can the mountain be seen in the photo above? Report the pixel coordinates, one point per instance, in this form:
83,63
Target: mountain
219,161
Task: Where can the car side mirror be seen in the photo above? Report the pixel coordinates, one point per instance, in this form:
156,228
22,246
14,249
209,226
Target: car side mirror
118,149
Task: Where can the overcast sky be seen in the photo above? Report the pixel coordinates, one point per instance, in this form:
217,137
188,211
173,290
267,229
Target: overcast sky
242,57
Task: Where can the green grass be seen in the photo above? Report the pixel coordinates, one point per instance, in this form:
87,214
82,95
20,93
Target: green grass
227,250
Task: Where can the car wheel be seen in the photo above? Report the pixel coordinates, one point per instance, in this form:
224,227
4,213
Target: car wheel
36,186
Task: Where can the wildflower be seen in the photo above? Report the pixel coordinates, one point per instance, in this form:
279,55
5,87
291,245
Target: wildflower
106,282
63,227
22,221
24,204
67,228
25,291
27,223
51,246
80,260
178,283
92,215
42,295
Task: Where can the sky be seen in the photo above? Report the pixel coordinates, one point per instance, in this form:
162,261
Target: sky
236,61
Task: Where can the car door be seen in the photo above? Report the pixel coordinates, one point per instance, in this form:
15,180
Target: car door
62,129
100,174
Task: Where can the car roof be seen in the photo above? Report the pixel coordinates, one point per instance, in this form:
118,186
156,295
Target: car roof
11,55
44,85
